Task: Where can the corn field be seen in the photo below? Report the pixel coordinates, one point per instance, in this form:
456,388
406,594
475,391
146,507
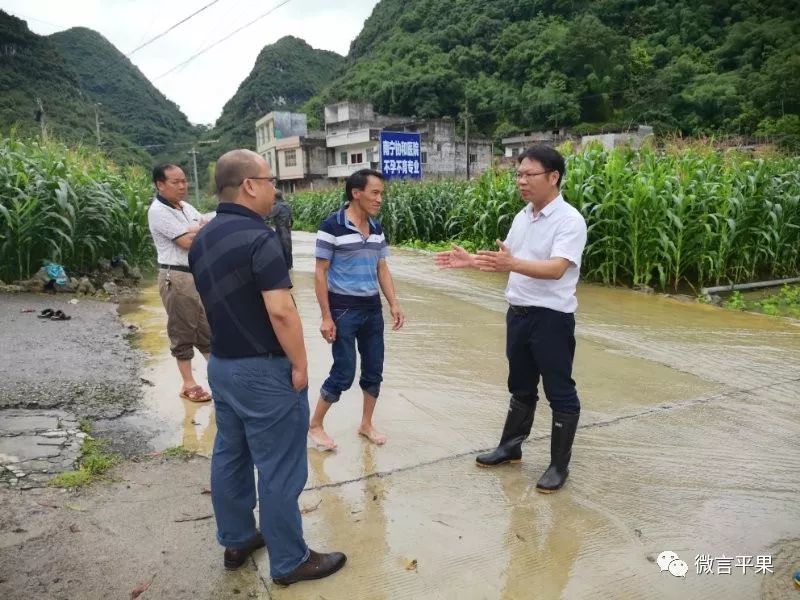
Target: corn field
68,206
668,219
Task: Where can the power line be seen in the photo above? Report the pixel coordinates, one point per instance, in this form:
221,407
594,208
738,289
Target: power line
230,35
165,32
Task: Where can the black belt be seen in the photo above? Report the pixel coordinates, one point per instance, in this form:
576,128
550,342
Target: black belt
180,268
523,310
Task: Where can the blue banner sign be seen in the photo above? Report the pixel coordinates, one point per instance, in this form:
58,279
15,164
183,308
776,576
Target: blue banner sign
401,155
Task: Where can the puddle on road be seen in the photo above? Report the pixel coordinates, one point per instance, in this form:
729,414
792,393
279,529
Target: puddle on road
172,420
668,388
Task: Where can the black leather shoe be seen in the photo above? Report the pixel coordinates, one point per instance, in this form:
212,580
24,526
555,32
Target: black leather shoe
317,566
519,421
235,557
563,434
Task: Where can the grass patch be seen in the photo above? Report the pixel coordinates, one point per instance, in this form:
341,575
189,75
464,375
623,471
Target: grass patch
92,465
178,452
468,245
785,303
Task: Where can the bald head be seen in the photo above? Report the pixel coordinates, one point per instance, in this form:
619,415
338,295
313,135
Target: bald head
232,168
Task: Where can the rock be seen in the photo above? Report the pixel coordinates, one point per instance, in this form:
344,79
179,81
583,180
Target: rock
85,286
644,289
104,265
11,289
31,285
117,273
68,287
135,273
41,275
111,288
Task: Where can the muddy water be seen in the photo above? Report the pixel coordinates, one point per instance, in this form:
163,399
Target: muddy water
688,443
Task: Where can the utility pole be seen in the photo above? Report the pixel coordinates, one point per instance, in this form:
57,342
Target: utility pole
97,121
466,132
193,152
42,119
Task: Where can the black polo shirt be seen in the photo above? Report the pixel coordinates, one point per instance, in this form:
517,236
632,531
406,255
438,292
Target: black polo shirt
233,259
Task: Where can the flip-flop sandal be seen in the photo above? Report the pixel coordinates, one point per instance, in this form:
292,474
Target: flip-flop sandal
46,313
195,394
60,316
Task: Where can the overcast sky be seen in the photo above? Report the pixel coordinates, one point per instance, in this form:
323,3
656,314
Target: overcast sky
203,86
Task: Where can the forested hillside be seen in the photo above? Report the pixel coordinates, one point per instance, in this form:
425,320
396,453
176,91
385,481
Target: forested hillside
716,66
128,101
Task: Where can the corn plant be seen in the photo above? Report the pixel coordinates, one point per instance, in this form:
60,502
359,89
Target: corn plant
682,216
70,207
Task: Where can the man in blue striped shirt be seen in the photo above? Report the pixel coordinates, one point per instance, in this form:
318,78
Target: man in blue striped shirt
351,269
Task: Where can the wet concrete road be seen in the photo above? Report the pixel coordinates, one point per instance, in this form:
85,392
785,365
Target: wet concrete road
688,442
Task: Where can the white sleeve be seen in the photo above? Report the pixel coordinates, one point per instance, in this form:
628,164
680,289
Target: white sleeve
570,241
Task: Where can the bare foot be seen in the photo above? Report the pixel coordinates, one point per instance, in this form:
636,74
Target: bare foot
372,434
322,441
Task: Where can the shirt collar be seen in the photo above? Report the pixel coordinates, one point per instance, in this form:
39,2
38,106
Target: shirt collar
168,204
341,218
547,210
232,208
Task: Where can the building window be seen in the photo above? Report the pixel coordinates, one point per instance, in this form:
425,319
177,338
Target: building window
438,147
343,157
514,151
357,159
424,158
473,158
290,158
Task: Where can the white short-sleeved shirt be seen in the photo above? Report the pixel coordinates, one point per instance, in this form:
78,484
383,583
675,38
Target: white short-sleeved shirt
168,224
558,231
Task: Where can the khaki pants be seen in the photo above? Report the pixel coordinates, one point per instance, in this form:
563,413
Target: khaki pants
187,325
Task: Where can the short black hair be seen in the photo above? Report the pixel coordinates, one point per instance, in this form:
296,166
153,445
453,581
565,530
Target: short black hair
160,171
359,180
548,157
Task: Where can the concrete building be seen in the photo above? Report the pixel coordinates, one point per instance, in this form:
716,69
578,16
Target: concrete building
515,145
352,133
296,156
634,139
444,153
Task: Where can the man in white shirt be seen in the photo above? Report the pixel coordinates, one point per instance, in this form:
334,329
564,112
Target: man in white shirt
542,254
173,225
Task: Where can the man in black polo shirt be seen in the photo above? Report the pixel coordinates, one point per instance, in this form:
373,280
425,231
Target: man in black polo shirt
258,375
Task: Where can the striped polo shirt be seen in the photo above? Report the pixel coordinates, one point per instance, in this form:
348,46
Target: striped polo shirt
353,272
233,259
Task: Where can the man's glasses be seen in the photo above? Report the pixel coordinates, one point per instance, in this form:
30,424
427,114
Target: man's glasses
269,178
521,175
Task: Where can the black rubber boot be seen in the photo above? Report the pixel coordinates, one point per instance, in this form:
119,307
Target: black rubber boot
519,421
564,427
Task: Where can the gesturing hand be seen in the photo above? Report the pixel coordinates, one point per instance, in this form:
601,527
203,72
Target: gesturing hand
500,261
457,258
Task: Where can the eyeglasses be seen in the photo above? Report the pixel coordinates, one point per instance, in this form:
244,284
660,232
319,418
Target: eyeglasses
521,175
269,178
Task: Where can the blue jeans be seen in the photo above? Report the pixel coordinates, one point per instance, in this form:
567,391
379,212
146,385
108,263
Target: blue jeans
362,326
261,421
